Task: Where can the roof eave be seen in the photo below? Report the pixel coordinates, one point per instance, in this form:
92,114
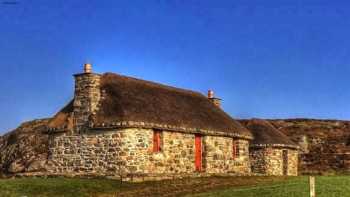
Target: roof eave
274,146
145,125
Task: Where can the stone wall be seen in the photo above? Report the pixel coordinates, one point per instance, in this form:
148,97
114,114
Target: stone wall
130,151
176,155
257,161
293,162
269,161
218,155
93,153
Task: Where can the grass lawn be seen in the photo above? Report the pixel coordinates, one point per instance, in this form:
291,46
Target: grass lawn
200,187
326,186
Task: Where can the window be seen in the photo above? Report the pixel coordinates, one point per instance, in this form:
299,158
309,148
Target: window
235,149
157,140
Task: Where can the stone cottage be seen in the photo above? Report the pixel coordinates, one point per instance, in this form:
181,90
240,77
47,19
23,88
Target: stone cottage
271,152
122,126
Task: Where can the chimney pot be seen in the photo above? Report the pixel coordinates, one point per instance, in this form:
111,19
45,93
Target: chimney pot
87,68
210,94
214,100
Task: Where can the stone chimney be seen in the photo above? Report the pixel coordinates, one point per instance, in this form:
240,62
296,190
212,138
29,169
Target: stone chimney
86,96
214,100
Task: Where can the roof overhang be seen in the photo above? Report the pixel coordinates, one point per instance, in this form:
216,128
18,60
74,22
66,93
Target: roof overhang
274,146
145,125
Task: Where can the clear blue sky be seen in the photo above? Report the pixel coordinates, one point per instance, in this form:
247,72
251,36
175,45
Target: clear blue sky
266,59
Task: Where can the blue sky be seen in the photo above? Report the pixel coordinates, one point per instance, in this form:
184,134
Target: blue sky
266,59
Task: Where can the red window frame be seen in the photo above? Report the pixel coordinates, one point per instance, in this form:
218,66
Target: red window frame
157,140
235,149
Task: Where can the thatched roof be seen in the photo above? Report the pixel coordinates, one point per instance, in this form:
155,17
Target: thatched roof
266,135
63,120
133,102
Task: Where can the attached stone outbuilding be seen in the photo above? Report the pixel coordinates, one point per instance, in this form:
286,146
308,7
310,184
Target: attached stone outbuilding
271,152
122,126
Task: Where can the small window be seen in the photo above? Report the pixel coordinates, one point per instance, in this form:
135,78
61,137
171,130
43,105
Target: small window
235,149
157,140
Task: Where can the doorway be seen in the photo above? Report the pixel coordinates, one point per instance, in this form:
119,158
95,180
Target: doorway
198,152
285,162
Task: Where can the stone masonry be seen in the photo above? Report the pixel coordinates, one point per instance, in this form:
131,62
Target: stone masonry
218,155
87,97
128,152
269,161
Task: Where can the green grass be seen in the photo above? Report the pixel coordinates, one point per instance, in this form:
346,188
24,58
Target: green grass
326,186
58,187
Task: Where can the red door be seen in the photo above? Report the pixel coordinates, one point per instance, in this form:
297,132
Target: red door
198,152
285,162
